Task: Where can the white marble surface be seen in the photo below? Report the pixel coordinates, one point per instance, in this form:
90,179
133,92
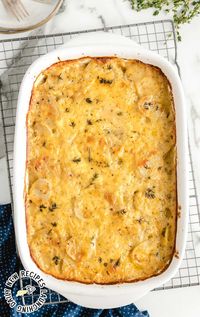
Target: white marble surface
86,14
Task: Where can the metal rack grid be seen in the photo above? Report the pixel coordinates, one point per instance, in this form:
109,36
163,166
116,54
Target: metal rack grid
17,55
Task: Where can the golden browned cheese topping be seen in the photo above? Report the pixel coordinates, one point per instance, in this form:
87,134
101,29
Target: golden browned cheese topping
101,171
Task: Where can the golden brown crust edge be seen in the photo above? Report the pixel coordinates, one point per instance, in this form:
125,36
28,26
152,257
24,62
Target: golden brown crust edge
103,60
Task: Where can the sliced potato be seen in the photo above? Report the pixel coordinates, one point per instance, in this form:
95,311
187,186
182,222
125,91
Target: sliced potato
40,190
140,254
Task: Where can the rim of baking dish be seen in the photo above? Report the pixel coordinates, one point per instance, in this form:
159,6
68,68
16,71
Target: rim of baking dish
122,51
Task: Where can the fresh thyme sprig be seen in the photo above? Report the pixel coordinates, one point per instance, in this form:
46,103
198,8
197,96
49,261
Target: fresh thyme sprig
183,10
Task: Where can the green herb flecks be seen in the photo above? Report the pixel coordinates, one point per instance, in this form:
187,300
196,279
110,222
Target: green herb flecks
183,10
88,100
89,122
53,207
76,160
89,155
147,105
164,232
121,212
56,259
94,177
42,207
105,81
117,263
149,193
72,124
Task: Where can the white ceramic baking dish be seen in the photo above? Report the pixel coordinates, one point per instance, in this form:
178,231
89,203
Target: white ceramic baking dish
99,296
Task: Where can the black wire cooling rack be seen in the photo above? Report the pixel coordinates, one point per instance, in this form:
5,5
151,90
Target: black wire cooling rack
16,56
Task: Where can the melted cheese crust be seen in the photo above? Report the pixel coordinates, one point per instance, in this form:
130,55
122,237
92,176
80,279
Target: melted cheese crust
100,190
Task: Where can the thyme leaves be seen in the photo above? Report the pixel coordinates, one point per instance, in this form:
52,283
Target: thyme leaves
72,124
183,11
149,193
117,263
56,259
42,207
121,212
105,81
89,122
89,155
92,180
76,160
88,100
53,207
164,232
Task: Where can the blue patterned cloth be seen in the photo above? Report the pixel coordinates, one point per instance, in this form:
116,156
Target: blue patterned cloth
9,263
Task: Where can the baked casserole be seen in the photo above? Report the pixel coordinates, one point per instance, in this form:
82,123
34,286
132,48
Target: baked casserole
100,188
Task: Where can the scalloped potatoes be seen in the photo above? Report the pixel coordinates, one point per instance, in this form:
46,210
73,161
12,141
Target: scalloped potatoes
100,191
